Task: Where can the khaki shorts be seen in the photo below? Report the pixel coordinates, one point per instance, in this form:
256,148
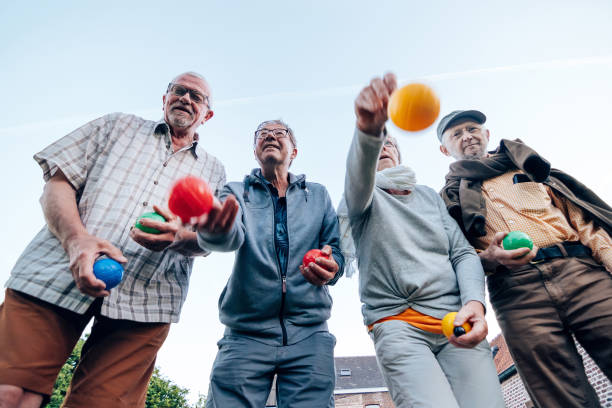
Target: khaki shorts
116,363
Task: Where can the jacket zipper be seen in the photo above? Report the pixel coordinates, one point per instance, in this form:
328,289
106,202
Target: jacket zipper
280,269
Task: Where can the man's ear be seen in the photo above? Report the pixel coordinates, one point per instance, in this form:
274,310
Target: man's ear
208,115
444,151
488,134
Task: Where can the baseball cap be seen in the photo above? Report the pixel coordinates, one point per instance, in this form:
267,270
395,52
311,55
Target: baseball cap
446,121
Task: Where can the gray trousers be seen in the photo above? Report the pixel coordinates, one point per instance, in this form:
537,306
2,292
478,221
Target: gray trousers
243,371
423,369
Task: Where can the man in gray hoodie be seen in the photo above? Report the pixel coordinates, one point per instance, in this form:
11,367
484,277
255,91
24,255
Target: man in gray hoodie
275,310
415,266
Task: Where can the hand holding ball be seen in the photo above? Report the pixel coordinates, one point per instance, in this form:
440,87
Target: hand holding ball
312,255
516,240
150,215
108,271
449,328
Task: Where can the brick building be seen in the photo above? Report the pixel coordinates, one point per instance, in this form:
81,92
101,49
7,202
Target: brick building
514,391
359,384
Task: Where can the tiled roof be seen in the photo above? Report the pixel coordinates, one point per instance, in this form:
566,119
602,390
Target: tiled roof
364,373
502,359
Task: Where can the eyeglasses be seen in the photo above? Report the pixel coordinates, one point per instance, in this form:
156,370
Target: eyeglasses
180,90
277,133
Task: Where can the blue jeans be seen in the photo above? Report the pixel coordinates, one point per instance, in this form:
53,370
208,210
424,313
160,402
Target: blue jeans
243,371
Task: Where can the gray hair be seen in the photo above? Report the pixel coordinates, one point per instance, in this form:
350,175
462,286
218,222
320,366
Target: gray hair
277,122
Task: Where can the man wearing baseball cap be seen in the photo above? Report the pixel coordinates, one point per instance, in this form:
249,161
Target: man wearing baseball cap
563,286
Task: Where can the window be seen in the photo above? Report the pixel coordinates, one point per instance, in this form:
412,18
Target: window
372,406
345,372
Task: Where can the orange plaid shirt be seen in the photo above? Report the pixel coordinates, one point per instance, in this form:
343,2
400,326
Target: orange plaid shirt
547,218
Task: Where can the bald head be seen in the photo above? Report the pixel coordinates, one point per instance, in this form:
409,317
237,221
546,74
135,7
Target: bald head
199,78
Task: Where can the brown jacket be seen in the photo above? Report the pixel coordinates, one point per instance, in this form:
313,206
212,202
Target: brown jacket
463,197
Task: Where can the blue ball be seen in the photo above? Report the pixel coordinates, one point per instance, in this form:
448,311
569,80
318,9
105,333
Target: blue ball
108,271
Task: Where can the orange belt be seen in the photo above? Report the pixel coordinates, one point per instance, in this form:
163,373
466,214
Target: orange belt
417,319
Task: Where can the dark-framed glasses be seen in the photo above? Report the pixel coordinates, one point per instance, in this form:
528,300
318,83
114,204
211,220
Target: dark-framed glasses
196,96
277,133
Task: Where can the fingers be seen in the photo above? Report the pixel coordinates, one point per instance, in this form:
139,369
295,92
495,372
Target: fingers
164,213
317,277
84,278
380,91
367,101
473,337
321,273
498,238
220,219
228,215
390,81
327,250
112,252
329,265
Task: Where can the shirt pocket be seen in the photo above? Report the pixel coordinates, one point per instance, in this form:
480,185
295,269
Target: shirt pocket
531,198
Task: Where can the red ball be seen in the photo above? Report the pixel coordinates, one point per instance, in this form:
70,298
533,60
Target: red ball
312,255
190,197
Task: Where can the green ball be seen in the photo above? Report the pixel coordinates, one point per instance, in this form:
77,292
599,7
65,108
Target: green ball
153,216
516,240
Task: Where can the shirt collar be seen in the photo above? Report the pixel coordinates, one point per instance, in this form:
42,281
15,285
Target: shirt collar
162,129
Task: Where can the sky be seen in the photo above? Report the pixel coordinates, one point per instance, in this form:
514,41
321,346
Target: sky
540,71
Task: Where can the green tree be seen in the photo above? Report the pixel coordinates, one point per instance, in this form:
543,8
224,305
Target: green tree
162,392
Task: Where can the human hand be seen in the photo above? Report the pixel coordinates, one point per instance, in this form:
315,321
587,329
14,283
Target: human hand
322,270
82,251
473,313
496,255
221,217
371,104
168,231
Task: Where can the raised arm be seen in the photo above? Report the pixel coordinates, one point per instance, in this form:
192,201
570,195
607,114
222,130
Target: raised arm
371,113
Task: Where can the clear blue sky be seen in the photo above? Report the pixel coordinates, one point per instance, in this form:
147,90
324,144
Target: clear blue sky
541,71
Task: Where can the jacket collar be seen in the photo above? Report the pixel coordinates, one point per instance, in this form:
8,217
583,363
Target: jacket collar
257,177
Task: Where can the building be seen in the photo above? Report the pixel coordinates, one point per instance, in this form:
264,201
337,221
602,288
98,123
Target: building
359,384
514,391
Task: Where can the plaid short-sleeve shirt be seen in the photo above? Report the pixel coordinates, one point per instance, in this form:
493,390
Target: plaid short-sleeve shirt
120,165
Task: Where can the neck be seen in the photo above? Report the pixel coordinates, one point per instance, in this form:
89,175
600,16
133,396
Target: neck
397,192
278,177
181,138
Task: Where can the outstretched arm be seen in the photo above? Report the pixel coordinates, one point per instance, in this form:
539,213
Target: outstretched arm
371,113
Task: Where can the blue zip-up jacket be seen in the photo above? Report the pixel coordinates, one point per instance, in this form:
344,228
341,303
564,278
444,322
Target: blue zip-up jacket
253,302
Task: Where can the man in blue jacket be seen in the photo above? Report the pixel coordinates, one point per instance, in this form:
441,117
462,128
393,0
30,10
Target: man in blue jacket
275,310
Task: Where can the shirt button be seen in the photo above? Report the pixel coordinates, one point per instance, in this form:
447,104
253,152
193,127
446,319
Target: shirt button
510,222
501,206
155,182
165,164
145,203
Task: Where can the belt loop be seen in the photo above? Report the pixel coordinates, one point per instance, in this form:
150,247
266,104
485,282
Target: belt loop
562,249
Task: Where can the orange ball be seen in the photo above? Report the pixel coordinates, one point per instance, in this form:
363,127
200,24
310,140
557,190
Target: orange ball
414,107
449,328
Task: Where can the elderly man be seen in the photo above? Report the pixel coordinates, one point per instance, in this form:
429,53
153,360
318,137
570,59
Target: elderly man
541,297
99,179
275,316
415,266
